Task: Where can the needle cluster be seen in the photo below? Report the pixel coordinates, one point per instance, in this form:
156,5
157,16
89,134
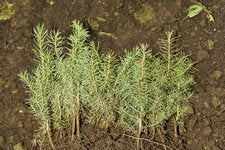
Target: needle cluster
136,93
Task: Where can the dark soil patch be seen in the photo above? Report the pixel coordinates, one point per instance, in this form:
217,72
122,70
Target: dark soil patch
118,25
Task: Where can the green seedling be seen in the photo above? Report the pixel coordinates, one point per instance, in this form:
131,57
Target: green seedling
136,93
196,8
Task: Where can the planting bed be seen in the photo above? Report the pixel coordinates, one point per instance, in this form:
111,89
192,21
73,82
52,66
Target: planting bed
118,25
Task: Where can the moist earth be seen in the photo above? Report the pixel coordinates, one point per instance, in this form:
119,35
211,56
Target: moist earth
118,25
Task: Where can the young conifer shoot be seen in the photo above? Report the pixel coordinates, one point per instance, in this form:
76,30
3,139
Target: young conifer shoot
40,84
99,82
139,92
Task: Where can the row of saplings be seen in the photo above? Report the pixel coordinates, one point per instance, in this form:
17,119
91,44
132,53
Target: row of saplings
135,93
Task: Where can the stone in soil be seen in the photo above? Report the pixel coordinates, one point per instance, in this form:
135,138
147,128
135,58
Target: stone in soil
203,122
216,101
222,108
18,147
206,131
210,143
215,148
192,122
202,55
217,74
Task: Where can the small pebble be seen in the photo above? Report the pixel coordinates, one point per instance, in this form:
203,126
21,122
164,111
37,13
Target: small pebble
202,54
215,148
182,130
204,122
222,108
18,147
193,34
206,131
216,101
192,122
196,145
217,74
210,143
22,22
203,22
20,124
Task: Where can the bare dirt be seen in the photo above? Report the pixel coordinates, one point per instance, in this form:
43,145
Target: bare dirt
118,25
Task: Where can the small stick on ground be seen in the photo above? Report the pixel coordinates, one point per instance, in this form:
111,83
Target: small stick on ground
150,141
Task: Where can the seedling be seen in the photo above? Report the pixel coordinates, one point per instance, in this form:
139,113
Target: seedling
139,92
196,8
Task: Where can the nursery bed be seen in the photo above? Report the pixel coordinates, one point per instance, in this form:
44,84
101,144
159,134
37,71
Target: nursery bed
118,25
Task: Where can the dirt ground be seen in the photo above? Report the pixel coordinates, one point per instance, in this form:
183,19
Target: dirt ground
118,25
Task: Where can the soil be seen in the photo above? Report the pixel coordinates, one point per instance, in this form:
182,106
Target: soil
118,25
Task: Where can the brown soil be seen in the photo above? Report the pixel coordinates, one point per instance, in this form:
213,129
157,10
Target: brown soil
118,25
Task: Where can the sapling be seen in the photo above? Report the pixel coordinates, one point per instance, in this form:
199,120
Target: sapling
55,44
132,90
39,85
99,80
72,73
179,78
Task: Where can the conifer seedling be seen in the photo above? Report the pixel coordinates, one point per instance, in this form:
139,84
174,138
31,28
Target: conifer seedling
138,92
39,84
99,82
